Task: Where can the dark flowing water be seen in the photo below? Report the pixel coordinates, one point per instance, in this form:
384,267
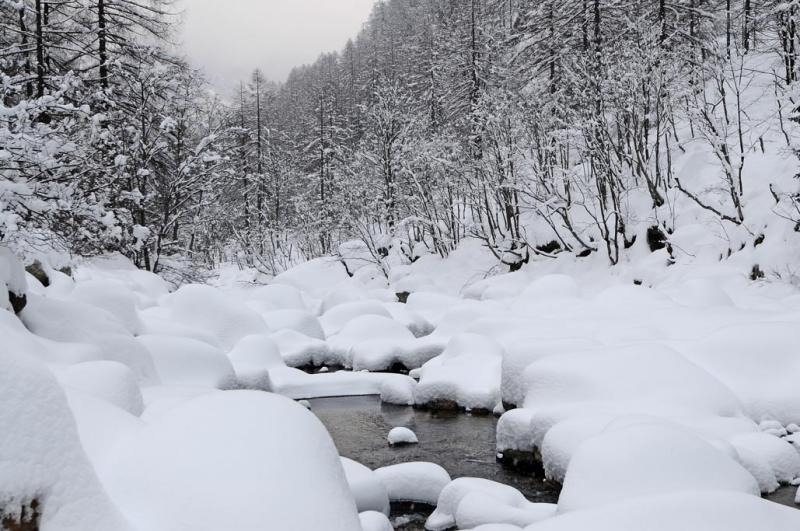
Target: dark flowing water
461,443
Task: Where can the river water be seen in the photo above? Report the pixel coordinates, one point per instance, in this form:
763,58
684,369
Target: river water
463,444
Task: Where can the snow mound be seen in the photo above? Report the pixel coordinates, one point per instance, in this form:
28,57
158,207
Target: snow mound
335,319
41,458
298,349
400,436
519,352
373,341
782,459
107,380
398,391
639,378
648,458
112,296
77,322
375,521
496,527
147,287
101,427
470,502
317,277
684,511
745,356
417,482
417,324
467,373
237,460
551,287
252,358
209,310
481,508
184,361
278,297
367,489
300,321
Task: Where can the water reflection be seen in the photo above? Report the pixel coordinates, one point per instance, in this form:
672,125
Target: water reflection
461,443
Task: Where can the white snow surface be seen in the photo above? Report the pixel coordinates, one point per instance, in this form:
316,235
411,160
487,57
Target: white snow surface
648,458
467,372
669,405
41,457
685,511
218,462
470,502
401,435
367,489
185,361
418,482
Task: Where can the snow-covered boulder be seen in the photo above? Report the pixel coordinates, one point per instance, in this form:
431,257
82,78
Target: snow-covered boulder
235,460
300,321
781,458
211,311
367,489
398,391
520,351
400,436
466,373
102,426
107,380
375,521
470,502
335,319
41,458
639,378
183,361
77,322
315,277
416,482
298,350
648,458
278,297
113,297
371,342
759,362
416,323
685,511
252,358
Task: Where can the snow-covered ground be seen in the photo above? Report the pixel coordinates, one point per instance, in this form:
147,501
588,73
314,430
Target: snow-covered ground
671,402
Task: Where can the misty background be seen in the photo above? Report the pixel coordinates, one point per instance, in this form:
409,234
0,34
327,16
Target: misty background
230,39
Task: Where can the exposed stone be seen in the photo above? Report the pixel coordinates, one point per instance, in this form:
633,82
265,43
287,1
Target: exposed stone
18,302
529,462
26,518
37,271
656,239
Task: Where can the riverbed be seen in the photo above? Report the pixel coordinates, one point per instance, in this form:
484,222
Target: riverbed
462,443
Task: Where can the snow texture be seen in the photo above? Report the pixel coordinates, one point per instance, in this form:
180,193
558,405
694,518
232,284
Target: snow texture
418,482
399,436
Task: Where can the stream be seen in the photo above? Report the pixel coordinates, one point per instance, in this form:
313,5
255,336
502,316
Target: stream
463,444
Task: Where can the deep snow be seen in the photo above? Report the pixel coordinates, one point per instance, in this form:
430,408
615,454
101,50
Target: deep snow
163,410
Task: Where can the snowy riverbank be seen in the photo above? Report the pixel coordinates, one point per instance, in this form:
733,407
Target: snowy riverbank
672,400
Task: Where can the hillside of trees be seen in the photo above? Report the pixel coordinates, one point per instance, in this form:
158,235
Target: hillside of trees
536,127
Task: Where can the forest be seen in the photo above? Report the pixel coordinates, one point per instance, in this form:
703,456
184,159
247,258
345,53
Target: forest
534,127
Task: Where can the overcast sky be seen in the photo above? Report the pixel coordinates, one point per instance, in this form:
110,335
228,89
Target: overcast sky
229,38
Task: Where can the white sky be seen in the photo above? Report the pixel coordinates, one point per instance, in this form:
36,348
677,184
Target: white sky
229,38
